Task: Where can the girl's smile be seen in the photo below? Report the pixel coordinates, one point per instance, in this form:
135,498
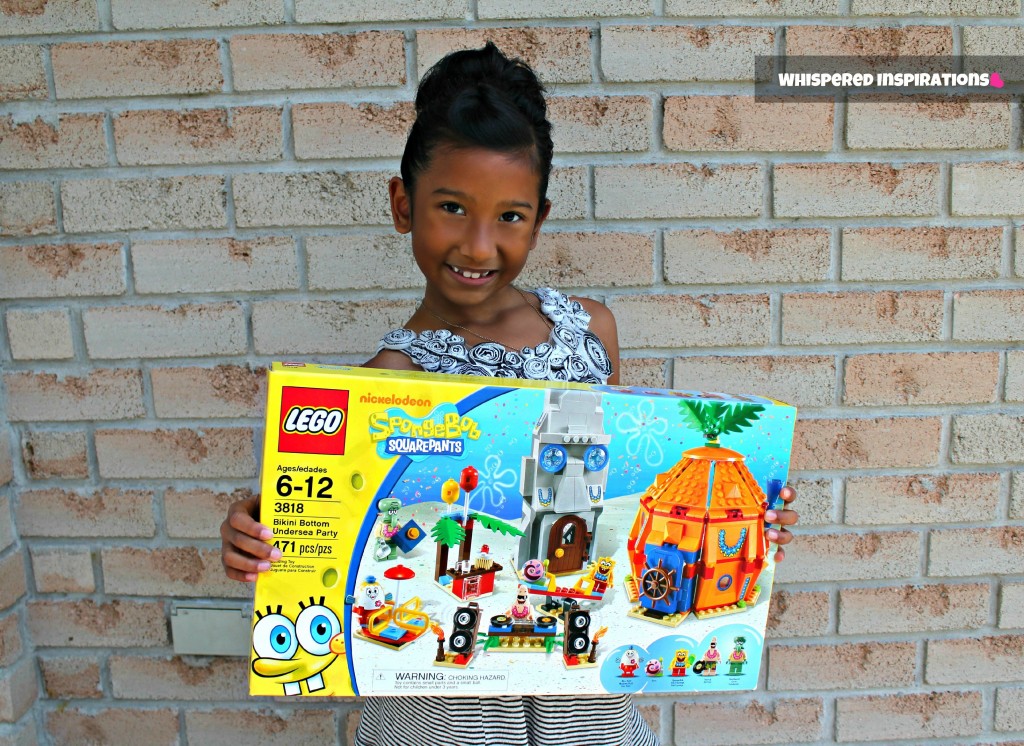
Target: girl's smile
474,216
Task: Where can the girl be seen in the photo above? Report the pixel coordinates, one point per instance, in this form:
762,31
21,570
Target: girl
473,197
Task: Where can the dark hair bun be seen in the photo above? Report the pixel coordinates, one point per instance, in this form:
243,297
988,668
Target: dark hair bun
479,98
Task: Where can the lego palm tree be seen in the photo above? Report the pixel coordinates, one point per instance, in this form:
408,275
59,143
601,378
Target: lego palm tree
714,418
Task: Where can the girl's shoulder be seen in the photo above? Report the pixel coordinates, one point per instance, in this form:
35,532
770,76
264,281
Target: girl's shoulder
584,313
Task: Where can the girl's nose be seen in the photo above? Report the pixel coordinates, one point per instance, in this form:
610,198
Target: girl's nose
479,244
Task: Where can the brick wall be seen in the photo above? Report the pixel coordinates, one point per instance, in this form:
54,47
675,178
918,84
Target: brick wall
195,188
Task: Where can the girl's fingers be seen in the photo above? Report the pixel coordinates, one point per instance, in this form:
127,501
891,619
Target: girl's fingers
788,494
782,517
779,536
780,555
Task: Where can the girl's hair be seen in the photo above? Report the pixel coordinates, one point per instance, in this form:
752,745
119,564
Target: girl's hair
479,98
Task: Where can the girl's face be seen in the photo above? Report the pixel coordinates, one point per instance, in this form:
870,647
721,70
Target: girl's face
474,216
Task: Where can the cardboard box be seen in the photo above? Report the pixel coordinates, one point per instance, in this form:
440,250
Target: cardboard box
447,535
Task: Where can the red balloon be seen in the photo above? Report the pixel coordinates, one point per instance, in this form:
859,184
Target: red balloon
469,478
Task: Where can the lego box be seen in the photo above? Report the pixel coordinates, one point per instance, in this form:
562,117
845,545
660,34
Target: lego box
446,535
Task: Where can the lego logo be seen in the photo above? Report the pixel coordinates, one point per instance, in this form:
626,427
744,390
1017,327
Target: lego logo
314,420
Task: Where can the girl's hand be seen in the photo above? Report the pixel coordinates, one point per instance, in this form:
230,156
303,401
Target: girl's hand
784,518
244,550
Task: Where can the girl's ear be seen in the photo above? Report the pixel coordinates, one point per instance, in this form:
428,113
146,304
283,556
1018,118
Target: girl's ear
401,205
541,217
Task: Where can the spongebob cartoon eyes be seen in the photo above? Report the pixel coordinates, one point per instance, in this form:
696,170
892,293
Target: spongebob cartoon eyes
295,652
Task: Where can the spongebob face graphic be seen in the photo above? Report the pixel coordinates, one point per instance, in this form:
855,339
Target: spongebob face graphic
295,652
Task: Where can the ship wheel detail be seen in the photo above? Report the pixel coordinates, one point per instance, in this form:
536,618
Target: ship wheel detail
656,582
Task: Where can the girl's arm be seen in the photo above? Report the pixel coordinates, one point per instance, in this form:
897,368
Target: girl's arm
602,323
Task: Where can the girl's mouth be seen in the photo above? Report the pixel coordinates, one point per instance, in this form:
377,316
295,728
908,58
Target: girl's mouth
477,275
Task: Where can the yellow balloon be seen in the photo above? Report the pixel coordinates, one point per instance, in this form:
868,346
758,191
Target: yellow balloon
450,491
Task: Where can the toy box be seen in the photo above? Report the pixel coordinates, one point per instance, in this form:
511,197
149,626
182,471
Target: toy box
446,535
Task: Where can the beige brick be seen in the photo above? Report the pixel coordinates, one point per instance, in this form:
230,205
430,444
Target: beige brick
179,679
287,61
1002,41
137,68
355,11
113,726
57,270
22,734
921,498
798,614
1015,375
858,317
6,475
312,198
143,204
340,130
567,192
215,265
595,124
848,556
182,453
11,646
936,8
244,133
557,55
1009,708
739,123
62,570
692,320
196,513
849,666
987,439
21,72
1011,606
310,327
683,53
223,727
879,44
643,371
705,257
85,623
856,189
40,335
102,394
12,570
17,690
195,13
806,381
988,316
988,189
926,122
569,259
361,261
223,391
25,17
973,661
1019,258
76,140
921,608
866,443
751,7
921,378
51,454
815,501
154,331
27,208
921,253
677,190
172,571
106,512
71,677
737,722
957,552
916,716
1017,496
508,9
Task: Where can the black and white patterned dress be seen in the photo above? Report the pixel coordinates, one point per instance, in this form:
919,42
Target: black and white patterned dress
574,353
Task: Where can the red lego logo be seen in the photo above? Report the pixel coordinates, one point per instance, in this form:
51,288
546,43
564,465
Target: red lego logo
313,421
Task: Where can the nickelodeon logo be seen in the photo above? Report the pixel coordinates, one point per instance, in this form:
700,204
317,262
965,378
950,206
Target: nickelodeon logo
313,421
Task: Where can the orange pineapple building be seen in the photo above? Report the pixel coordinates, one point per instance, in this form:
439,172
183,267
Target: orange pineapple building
698,543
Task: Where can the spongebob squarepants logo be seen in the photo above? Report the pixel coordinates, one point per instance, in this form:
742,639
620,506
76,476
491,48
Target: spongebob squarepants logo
293,652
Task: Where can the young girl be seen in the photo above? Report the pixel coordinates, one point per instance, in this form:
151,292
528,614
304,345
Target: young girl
473,197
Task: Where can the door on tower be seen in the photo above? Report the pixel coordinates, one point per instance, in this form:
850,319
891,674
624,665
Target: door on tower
567,544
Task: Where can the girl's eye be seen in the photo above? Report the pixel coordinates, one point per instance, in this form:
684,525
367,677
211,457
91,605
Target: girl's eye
511,217
452,207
